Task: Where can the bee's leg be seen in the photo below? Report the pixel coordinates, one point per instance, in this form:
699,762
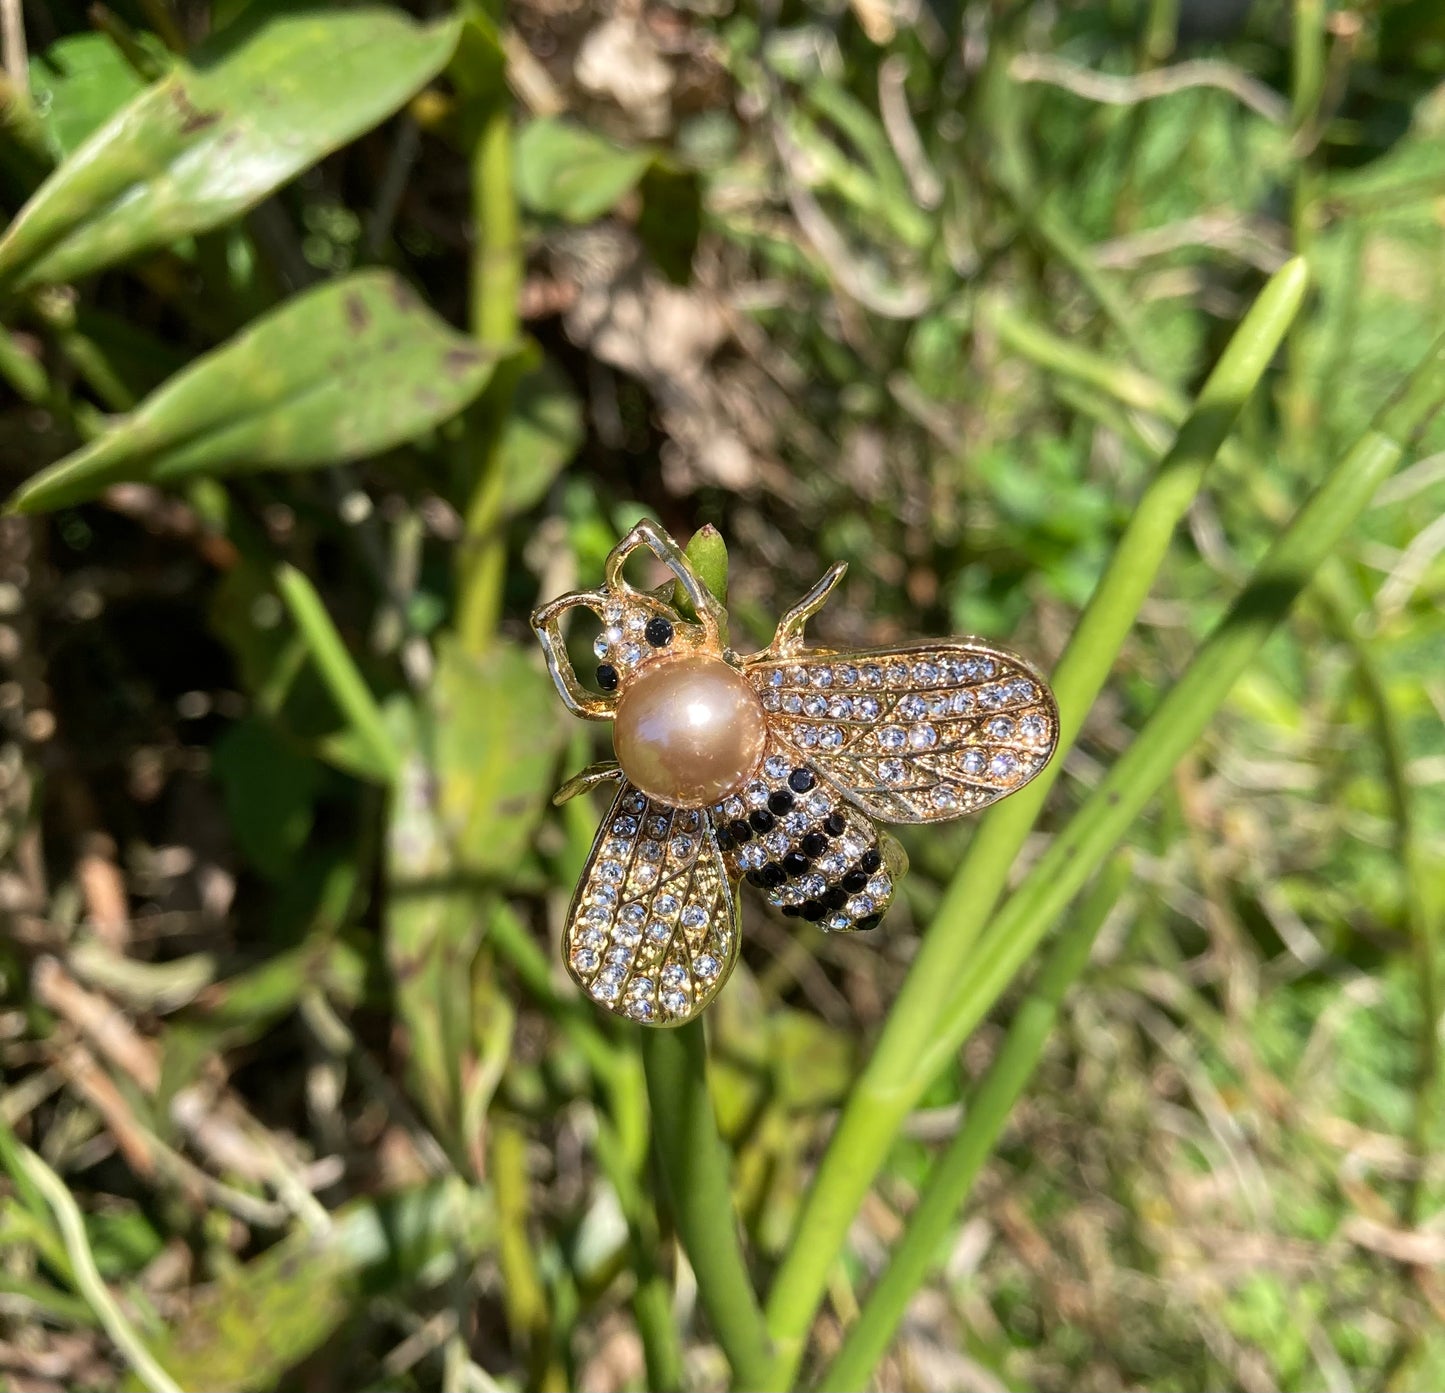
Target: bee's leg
790,627
605,772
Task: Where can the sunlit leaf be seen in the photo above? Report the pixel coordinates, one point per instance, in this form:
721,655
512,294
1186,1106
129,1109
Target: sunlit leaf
262,102
567,172
351,368
77,84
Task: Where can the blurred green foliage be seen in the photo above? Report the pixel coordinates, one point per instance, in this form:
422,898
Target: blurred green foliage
335,337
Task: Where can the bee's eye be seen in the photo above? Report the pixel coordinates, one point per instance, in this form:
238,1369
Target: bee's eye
658,632
607,677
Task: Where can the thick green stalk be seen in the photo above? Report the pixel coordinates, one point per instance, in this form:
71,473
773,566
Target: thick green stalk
952,1177
884,1094
694,1165
496,284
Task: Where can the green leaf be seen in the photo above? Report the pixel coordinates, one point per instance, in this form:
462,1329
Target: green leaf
567,172
263,1318
269,790
542,433
210,140
348,369
77,84
470,797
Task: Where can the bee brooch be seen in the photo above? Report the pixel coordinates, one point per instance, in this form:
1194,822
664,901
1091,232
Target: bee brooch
776,768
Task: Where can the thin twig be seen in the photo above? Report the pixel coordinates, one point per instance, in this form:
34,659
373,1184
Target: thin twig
12,34
1120,90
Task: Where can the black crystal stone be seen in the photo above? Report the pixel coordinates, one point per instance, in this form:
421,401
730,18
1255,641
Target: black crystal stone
780,801
607,677
755,877
854,881
814,844
801,780
835,898
871,922
724,839
794,864
773,875
792,911
740,831
761,819
658,631
870,860
834,824
812,911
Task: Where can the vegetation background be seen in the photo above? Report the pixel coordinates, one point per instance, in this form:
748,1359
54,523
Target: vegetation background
361,329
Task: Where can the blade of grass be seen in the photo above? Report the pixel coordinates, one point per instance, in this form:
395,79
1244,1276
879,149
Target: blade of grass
953,1175
337,669
884,1094
694,1165
87,1275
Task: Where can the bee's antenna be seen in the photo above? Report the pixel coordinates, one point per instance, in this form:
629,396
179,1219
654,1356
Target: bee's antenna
790,627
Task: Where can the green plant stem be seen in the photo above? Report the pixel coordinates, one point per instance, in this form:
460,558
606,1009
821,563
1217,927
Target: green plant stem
694,1165
952,1177
87,1275
890,1083
338,670
496,284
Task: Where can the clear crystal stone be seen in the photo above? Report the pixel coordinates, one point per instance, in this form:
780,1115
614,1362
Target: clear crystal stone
1001,728
657,827
674,975
694,916
650,850
682,847
830,737
893,771
624,826
1033,728
992,697
793,704
775,677
591,937
629,653
797,677
853,845
604,894
600,646
812,885
822,677
612,611
635,802
796,821
777,844
733,807
674,1002
687,820
846,676
751,856
833,864
926,673
636,622
629,935
584,959
893,737
1023,691
815,705
596,914
945,796
912,707
923,737
665,905
633,913
974,762
867,708
610,871
640,1009
961,703
606,988
861,906
618,956
880,887
776,767
658,932
705,965
772,701
872,675
807,737
757,794
641,986
839,921
1003,765
841,708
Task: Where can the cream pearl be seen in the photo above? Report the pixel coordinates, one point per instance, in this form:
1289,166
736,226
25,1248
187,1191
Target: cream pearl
689,730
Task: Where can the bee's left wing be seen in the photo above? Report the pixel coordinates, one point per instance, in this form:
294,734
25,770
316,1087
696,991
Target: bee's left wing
915,734
652,930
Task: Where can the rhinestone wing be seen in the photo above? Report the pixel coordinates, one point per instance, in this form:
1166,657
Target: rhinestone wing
915,734
652,932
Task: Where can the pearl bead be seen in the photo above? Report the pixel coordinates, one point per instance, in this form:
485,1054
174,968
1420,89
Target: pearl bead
689,730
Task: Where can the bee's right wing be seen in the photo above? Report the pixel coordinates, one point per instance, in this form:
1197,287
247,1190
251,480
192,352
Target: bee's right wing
652,931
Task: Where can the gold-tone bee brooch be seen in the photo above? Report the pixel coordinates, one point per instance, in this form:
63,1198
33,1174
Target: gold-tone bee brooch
775,768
